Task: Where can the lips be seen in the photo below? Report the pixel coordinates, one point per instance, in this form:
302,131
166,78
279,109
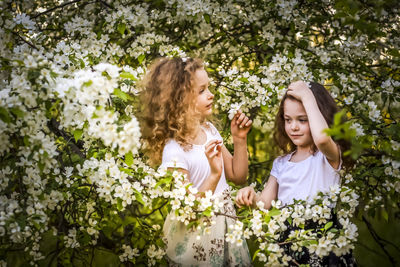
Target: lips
209,106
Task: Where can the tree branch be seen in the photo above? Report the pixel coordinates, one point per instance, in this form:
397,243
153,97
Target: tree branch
25,41
105,4
56,7
378,240
53,126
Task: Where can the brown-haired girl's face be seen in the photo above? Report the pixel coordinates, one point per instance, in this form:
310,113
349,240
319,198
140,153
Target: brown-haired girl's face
204,101
296,123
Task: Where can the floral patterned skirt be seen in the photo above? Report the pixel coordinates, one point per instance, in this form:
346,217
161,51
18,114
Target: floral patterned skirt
183,248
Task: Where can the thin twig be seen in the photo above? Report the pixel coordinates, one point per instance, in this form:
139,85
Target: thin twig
227,215
378,240
105,4
56,7
25,41
153,211
295,262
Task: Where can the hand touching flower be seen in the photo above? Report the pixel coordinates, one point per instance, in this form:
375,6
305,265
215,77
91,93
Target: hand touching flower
240,125
246,197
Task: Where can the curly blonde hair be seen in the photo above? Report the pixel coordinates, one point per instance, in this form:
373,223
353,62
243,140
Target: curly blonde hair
168,105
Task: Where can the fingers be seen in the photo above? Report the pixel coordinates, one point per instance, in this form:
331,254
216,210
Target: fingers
245,123
213,148
239,198
217,152
250,198
211,145
242,120
245,197
297,85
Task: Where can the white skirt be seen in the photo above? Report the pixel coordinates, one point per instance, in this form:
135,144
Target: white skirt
183,248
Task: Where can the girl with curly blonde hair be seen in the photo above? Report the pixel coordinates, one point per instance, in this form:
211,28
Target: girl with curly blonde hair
177,134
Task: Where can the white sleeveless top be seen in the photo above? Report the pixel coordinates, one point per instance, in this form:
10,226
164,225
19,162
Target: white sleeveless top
304,179
193,160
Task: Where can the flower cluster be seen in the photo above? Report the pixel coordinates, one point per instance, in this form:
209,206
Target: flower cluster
321,226
193,208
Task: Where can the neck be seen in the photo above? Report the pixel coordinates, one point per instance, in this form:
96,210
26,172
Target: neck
197,129
303,150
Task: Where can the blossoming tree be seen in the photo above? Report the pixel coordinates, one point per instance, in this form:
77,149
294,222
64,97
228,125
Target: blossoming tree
75,188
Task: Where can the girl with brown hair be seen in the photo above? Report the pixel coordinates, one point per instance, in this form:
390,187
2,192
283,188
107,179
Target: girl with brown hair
177,134
312,159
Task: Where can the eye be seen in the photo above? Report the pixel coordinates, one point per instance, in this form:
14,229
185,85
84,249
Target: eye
288,120
303,120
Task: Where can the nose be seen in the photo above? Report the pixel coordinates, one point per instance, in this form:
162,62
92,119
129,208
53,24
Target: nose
210,95
294,125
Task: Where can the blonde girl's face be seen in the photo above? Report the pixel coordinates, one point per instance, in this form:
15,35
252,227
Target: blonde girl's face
296,123
204,100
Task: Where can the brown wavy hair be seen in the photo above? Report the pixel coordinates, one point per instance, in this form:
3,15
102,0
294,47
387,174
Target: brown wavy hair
328,108
168,105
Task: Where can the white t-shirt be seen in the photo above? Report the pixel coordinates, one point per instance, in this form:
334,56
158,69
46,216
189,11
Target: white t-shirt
304,179
193,160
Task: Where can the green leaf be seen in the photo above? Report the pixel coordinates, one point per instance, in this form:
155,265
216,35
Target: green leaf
82,63
141,58
207,18
192,223
121,28
119,204
128,220
328,225
125,170
77,134
338,117
273,212
17,112
37,226
207,212
165,180
385,215
33,75
87,84
120,94
139,197
267,218
4,116
129,158
127,75
255,254
26,140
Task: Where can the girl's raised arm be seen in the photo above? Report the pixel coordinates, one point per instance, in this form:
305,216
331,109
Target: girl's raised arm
317,122
236,166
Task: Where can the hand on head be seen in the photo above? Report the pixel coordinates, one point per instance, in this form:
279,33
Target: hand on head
299,90
240,125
